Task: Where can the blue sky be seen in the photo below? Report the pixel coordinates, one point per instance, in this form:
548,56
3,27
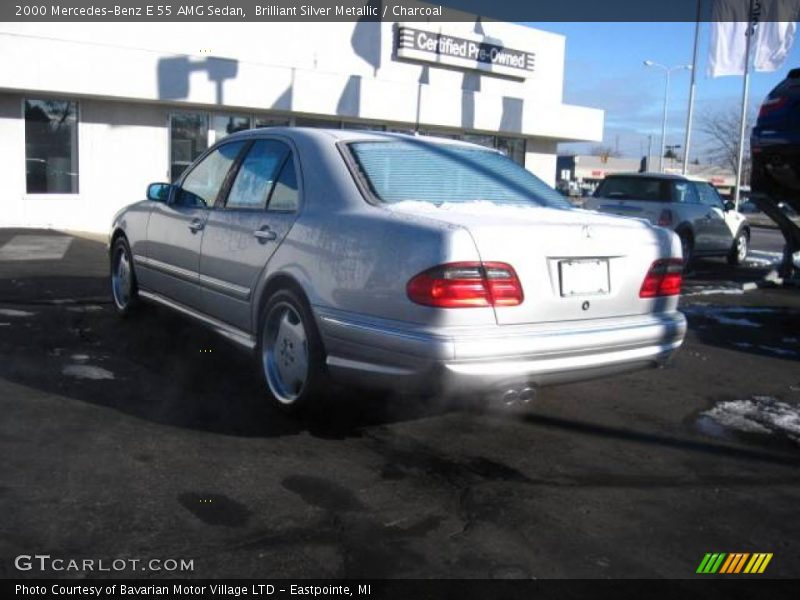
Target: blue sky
604,70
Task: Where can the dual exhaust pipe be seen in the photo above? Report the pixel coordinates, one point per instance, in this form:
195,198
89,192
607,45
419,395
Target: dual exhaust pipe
514,397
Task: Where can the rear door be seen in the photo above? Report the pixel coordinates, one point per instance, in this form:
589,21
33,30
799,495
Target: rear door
175,228
241,236
689,212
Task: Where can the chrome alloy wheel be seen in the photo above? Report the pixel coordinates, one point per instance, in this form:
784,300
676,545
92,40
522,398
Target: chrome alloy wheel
122,278
284,353
741,248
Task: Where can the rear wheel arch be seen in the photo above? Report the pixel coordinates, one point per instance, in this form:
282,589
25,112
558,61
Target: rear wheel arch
277,282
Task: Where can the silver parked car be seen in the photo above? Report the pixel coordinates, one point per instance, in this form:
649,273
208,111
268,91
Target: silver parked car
398,262
705,223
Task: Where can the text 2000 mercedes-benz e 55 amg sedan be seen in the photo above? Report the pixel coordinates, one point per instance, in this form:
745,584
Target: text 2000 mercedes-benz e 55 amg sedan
398,262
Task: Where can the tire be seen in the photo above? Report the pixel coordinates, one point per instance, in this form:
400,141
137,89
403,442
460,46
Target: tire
291,354
687,249
124,289
740,248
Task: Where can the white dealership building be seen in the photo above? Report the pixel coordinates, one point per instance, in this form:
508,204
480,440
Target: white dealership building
92,112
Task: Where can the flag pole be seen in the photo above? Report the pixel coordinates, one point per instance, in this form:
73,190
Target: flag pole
690,113
743,116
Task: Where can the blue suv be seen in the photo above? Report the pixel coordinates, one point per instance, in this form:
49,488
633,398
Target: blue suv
775,148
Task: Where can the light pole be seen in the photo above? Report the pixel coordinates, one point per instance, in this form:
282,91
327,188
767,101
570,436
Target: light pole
667,71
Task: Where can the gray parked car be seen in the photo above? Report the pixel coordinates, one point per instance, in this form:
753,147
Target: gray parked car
705,223
397,262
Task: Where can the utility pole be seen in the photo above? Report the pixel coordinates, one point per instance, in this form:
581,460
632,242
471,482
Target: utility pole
690,113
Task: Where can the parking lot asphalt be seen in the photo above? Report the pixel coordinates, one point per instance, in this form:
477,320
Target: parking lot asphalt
150,438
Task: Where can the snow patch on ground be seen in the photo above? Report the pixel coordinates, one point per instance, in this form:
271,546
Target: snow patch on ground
763,258
760,414
709,290
87,372
10,312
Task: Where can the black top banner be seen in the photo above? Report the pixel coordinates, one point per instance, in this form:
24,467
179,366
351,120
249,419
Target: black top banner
376,10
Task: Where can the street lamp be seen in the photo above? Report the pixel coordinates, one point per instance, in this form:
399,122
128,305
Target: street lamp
667,71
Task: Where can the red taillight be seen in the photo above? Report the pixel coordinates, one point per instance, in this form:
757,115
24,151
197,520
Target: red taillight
663,279
772,104
466,284
665,218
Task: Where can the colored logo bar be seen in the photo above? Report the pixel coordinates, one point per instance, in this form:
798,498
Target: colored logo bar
734,563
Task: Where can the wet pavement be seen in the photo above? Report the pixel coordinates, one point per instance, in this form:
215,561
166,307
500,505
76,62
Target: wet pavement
150,437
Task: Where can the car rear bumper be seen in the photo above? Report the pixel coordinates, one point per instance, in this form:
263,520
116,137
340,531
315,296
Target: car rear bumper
391,355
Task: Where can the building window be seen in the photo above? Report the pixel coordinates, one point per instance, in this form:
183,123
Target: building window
513,148
356,126
223,125
488,141
272,122
188,137
51,147
312,122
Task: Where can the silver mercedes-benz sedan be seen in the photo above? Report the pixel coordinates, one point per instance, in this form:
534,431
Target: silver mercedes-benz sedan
399,262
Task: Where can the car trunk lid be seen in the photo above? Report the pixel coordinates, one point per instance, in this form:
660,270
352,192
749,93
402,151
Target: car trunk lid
572,264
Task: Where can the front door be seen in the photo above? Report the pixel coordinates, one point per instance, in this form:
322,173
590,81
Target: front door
175,229
241,236
719,234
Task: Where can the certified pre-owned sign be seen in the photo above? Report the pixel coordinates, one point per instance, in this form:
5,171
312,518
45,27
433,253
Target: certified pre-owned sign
438,47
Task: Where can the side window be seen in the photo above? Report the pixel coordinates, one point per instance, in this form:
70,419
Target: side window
709,195
256,175
685,193
285,196
202,184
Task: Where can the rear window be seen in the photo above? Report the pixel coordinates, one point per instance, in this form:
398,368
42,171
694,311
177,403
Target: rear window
437,173
635,188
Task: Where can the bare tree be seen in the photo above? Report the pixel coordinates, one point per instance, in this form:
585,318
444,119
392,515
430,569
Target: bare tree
720,130
603,151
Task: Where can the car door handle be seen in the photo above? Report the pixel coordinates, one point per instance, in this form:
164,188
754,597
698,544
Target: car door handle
265,234
196,225
709,216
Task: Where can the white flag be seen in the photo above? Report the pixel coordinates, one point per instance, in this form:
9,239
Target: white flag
775,25
775,33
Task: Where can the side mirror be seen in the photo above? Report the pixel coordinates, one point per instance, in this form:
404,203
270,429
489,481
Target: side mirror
729,206
158,192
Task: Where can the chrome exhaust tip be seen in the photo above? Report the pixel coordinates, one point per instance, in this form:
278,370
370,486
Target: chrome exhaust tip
510,397
527,395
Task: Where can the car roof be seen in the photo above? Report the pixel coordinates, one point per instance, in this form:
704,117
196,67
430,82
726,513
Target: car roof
347,135
652,175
